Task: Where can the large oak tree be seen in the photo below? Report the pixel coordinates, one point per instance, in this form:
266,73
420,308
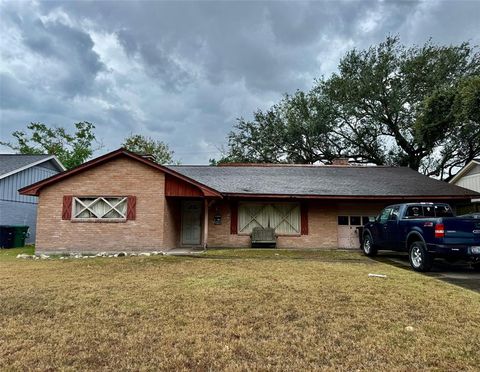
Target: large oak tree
390,104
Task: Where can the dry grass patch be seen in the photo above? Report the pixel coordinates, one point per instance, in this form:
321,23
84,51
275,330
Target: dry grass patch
242,309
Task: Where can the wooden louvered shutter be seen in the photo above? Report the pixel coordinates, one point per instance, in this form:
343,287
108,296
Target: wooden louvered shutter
233,218
304,218
67,207
131,206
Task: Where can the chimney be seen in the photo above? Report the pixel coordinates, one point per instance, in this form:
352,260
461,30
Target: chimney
340,161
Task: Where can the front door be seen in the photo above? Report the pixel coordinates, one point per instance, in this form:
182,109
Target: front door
191,222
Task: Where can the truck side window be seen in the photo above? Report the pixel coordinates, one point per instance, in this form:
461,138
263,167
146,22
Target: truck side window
394,214
385,214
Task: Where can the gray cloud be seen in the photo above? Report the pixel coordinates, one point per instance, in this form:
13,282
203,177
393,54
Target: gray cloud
183,71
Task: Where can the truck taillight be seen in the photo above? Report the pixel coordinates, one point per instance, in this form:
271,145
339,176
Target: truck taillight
439,230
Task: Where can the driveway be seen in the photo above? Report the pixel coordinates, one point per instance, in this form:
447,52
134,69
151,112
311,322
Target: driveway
460,273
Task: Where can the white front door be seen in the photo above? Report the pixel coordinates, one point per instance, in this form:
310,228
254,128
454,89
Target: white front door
191,222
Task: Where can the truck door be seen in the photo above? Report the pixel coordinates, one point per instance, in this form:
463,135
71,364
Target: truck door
381,228
392,234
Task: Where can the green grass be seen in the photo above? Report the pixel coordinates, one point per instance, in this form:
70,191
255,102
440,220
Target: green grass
11,253
234,310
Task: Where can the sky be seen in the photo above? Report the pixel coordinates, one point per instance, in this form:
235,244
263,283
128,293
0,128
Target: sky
183,72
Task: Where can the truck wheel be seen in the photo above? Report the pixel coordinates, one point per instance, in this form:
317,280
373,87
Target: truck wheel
368,248
420,259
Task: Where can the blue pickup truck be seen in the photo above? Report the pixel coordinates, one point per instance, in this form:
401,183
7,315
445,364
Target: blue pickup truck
425,231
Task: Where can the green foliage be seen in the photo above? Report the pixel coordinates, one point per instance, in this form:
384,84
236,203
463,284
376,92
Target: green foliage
389,104
451,121
71,149
297,130
148,146
404,96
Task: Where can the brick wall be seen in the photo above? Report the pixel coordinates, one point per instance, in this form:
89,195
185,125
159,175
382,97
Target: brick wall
118,177
172,223
322,225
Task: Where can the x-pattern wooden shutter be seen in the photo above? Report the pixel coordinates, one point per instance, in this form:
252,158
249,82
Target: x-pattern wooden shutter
253,211
131,207
67,207
285,216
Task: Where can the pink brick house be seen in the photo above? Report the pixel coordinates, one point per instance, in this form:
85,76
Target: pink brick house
124,202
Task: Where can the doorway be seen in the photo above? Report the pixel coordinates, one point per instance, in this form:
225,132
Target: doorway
191,232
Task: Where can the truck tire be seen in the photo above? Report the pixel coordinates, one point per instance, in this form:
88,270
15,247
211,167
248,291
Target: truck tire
419,258
367,246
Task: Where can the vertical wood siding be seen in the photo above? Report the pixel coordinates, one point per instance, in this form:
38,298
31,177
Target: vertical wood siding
471,182
9,186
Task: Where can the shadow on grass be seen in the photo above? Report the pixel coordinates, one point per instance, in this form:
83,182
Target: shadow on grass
275,255
458,273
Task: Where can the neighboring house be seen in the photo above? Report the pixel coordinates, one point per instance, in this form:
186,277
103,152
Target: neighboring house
469,178
124,202
17,171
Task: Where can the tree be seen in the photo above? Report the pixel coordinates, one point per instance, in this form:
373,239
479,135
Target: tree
388,90
146,145
71,149
389,104
296,130
458,109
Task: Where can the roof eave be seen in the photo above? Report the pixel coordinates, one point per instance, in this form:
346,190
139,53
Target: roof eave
464,170
38,162
346,197
34,189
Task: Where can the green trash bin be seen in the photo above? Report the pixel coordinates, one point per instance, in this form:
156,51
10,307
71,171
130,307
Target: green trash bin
21,233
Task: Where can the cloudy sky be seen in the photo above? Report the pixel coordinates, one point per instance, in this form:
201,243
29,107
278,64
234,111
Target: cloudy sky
182,72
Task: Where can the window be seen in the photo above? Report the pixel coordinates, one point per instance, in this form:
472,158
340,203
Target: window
343,220
394,214
102,208
283,217
414,211
443,210
429,211
355,220
385,215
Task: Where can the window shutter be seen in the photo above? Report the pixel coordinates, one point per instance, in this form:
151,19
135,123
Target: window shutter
233,218
131,206
304,218
67,207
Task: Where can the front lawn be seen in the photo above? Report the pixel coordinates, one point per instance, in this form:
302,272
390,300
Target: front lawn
232,309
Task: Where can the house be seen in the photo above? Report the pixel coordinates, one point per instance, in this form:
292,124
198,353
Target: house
124,202
469,178
17,171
